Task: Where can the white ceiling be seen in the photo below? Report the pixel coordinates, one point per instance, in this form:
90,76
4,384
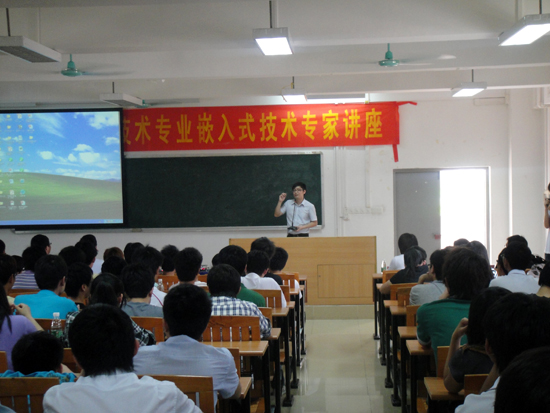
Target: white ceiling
202,52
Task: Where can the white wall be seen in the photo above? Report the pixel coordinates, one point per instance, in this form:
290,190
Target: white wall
358,181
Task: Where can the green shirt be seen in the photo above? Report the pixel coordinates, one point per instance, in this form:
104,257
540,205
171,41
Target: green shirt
251,296
438,320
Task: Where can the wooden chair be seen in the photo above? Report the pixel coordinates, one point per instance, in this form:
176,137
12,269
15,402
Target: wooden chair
25,394
3,361
22,291
232,328
46,323
386,275
403,295
395,287
70,361
272,298
435,385
246,382
153,324
168,281
473,383
198,388
203,277
286,292
411,315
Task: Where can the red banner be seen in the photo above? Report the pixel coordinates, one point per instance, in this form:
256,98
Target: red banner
244,127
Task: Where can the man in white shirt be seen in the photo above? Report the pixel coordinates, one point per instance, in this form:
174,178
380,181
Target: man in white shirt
187,309
515,323
516,259
300,214
103,343
256,268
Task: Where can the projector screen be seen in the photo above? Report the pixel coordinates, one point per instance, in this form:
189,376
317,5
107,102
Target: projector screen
61,169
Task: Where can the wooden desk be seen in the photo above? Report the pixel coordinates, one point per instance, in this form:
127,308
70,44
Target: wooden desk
283,314
405,333
251,349
376,279
416,351
339,269
296,335
398,315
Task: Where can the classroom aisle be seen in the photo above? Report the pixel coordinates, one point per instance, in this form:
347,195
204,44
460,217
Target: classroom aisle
341,372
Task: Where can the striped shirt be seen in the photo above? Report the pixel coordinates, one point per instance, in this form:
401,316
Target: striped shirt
234,306
25,280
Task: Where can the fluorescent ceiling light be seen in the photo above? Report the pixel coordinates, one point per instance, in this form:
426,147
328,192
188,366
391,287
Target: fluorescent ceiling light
273,42
28,50
526,30
294,96
469,89
121,99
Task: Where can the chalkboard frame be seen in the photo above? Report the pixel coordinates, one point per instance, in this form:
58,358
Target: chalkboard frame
241,155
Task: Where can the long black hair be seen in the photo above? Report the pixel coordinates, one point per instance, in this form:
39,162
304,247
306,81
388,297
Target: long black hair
106,288
413,257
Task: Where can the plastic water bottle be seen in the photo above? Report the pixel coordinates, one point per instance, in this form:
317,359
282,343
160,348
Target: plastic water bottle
160,285
56,328
383,266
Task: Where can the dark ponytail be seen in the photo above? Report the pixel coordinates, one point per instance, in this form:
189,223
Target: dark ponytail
106,288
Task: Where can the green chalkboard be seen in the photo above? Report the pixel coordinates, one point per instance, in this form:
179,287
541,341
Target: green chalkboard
216,191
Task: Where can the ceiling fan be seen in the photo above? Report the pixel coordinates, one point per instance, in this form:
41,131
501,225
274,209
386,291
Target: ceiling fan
389,61
72,71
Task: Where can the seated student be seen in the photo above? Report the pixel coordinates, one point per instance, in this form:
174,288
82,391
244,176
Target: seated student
90,252
2,247
404,242
187,309
256,268
499,268
224,283
425,291
112,252
26,279
50,273
169,253
78,281
41,241
278,263
188,263
461,242
129,250
114,265
466,274
108,289
97,263
237,257
517,258
39,354
8,271
138,283
479,249
544,282
415,266
72,254
514,324
13,327
471,358
266,245
523,386
152,259
103,344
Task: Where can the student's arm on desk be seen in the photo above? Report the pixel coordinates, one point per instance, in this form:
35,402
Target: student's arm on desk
385,288
450,383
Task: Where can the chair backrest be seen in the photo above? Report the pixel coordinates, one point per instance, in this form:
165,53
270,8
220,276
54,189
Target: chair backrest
70,361
168,281
25,394
411,315
395,287
232,328
442,352
203,277
237,358
286,292
198,388
272,298
153,324
386,275
473,383
289,278
46,323
3,361
22,291
403,295
268,313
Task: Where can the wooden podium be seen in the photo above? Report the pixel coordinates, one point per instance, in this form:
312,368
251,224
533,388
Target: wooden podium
339,269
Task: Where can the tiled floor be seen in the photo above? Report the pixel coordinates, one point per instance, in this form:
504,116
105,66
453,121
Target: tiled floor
341,372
